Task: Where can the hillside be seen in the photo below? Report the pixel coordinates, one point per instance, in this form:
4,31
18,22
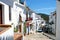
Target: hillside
44,16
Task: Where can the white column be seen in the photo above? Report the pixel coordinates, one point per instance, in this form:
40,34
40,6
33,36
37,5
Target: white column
58,22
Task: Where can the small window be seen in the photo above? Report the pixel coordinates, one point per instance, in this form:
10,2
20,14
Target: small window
42,22
21,1
9,13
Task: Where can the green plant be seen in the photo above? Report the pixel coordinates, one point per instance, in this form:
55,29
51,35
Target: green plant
31,25
15,29
25,27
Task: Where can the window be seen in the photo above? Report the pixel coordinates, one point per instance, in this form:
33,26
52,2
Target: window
9,13
21,1
42,22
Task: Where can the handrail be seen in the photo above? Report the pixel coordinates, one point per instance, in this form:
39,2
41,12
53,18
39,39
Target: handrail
5,25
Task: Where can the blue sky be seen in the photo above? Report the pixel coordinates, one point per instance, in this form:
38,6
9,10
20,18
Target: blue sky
42,6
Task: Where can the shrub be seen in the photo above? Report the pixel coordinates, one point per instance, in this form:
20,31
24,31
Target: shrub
15,29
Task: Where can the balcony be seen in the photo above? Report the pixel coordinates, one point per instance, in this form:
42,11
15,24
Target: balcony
4,28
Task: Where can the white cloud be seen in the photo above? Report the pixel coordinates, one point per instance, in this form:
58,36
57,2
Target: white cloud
51,8
45,10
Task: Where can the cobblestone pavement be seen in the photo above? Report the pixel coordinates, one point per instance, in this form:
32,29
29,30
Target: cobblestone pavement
37,36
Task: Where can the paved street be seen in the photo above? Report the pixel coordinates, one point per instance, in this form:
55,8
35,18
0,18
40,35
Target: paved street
37,36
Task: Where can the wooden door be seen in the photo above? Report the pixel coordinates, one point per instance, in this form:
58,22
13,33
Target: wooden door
20,28
0,14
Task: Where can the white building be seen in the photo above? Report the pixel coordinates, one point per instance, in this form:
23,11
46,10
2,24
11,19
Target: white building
11,13
37,20
5,8
52,21
19,14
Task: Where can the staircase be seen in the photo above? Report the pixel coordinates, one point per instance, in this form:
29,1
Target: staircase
6,32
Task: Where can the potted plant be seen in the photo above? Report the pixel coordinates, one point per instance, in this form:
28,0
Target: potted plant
24,29
15,29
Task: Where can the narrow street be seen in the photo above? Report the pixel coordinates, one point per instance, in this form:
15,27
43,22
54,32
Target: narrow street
37,36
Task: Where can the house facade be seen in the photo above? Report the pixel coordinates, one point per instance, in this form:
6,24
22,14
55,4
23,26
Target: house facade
52,22
20,15
12,13
28,20
37,22
5,18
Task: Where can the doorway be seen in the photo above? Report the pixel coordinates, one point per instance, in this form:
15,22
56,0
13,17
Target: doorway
20,21
0,14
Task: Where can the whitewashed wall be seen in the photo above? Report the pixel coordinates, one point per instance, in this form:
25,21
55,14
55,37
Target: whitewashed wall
16,9
5,13
52,18
5,9
19,9
38,24
36,21
58,22
54,25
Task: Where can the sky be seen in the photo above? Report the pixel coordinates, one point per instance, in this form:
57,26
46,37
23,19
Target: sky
42,6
